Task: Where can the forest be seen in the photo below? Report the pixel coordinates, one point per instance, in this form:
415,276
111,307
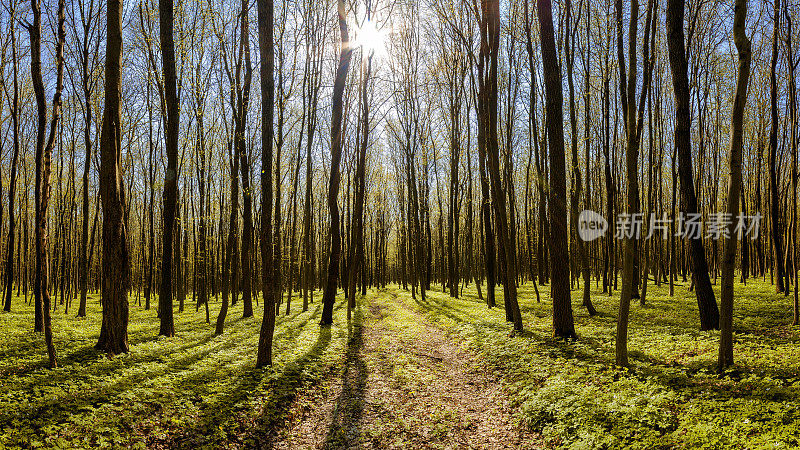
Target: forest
399,224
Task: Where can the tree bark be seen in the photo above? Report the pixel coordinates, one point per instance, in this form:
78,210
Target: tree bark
9,273
44,153
116,261
563,324
267,66
774,202
329,295
709,314
735,186
166,14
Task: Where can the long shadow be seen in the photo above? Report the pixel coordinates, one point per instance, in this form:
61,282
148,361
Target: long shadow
594,351
282,389
285,387
105,367
438,307
87,354
56,409
344,431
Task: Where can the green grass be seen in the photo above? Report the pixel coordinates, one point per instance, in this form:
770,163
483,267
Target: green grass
571,393
193,390
198,390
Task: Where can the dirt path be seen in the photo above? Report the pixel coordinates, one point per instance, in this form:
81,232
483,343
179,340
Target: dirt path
406,384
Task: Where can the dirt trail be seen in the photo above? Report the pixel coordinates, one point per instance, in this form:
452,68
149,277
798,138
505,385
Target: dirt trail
406,384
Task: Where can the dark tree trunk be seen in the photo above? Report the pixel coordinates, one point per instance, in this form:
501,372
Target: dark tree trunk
563,325
116,262
244,168
709,314
44,152
490,41
165,7
774,202
329,295
9,273
356,257
267,65
735,186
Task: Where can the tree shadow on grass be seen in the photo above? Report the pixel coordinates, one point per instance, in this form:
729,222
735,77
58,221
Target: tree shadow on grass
284,388
230,416
58,407
344,431
465,317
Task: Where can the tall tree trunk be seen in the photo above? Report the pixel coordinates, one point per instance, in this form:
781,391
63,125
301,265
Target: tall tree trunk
490,43
576,173
633,113
244,167
267,66
116,261
356,258
229,271
44,152
709,314
329,295
735,186
9,273
165,14
308,235
791,256
774,202
563,324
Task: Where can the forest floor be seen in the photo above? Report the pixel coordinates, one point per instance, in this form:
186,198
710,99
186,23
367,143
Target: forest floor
409,373
406,384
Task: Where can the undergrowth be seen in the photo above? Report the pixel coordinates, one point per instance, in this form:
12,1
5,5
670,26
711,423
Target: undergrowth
671,397
200,390
193,390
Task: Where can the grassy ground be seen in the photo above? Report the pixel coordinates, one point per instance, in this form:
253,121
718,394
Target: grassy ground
396,378
189,391
670,397
407,384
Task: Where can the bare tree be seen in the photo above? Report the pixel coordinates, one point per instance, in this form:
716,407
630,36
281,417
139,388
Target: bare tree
563,323
44,154
735,186
633,130
166,19
116,259
709,314
772,161
487,98
267,66
15,110
345,54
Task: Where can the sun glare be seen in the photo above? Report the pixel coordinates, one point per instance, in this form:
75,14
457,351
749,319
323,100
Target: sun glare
371,39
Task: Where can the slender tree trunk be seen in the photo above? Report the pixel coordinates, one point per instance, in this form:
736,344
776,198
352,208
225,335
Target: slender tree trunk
329,295
709,314
356,258
576,173
267,66
44,152
229,271
244,168
774,203
735,186
9,274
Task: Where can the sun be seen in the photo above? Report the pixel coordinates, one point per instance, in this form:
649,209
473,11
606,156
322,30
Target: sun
371,39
